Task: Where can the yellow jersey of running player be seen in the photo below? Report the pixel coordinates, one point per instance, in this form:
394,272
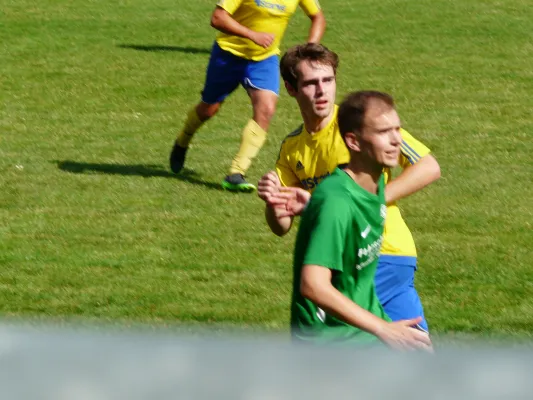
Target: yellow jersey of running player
305,160
269,16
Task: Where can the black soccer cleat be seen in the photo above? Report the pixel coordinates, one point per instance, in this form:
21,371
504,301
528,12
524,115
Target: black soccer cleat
177,158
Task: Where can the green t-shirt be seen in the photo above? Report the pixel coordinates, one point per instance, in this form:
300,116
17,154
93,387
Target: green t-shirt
341,229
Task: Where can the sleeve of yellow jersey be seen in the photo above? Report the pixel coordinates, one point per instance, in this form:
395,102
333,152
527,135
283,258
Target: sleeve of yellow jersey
229,5
310,7
411,150
286,175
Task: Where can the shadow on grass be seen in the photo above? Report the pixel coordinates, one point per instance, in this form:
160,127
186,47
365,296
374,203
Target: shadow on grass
147,171
140,47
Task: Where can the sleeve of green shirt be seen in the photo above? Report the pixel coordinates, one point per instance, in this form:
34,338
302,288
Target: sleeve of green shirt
327,223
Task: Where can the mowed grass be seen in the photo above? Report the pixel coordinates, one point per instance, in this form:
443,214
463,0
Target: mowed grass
94,227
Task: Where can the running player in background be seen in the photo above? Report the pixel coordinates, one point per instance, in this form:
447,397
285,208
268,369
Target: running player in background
246,53
312,152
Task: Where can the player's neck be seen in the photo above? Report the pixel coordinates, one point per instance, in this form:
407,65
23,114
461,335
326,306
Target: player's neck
314,124
365,176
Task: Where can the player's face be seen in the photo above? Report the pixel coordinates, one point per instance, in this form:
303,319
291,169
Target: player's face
381,139
316,89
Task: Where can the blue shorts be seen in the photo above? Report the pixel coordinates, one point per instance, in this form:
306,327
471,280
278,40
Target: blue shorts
226,71
395,286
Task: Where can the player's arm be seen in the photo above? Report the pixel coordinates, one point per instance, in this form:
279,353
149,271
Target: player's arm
279,224
275,214
315,285
413,178
419,169
318,20
222,20
283,206
292,201
318,27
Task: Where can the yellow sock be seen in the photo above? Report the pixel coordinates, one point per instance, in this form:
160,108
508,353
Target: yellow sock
192,124
253,138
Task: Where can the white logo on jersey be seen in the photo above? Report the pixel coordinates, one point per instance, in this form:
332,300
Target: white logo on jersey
383,211
365,233
321,314
371,252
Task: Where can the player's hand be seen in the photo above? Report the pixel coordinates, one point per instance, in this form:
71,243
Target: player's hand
290,200
262,39
402,335
267,186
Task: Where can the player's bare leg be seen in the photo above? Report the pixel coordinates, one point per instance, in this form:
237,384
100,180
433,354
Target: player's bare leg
253,137
195,119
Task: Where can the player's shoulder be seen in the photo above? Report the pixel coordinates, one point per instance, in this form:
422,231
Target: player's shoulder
330,197
406,135
333,187
295,132
293,137
412,147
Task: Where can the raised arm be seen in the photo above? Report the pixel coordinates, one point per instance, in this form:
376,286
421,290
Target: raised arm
420,169
413,178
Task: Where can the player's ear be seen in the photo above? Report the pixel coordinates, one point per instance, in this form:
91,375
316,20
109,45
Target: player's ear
290,89
352,141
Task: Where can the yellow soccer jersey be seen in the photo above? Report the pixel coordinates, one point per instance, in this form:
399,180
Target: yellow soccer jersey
270,16
398,240
305,160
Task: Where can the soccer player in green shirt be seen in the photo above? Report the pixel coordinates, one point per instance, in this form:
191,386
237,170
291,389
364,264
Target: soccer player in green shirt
340,235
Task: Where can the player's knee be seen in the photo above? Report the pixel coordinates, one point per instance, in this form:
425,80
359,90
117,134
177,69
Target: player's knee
263,114
206,111
269,110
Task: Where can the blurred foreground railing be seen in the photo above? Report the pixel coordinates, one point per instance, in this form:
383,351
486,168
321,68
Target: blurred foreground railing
100,365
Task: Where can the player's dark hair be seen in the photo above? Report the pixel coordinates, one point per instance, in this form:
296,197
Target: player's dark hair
352,110
313,52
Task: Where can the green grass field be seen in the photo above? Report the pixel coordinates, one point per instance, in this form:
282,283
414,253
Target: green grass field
95,228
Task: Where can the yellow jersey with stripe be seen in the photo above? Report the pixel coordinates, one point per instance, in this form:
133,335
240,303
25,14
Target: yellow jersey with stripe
397,238
305,160
269,16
